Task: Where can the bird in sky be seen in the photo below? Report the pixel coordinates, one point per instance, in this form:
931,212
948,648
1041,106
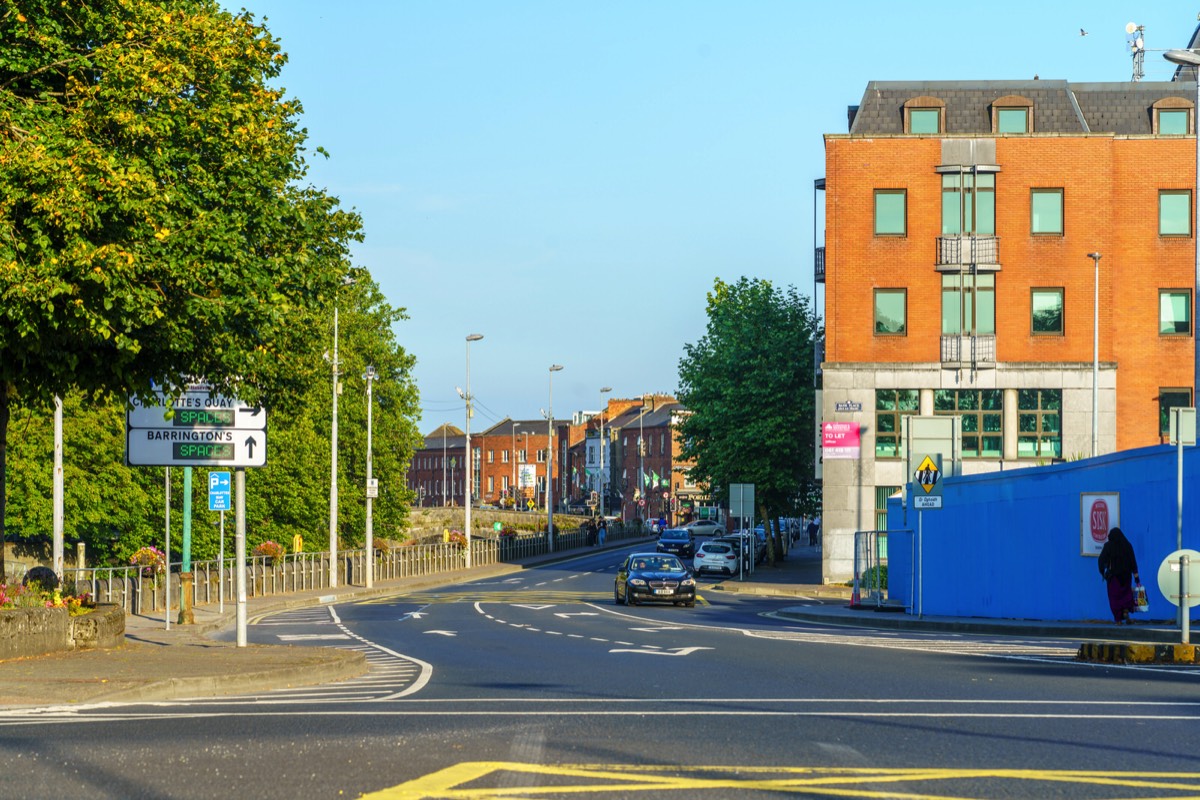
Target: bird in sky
1082,32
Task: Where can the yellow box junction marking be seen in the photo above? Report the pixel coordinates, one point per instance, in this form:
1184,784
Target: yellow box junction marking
479,780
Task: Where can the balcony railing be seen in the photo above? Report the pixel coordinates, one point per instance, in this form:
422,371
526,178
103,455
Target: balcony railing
819,262
978,350
966,249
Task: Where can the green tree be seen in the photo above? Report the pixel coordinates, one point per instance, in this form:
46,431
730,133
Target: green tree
748,388
154,220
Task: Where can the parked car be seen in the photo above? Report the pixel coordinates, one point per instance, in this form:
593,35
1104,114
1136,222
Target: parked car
654,578
751,547
705,527
677,541
716,556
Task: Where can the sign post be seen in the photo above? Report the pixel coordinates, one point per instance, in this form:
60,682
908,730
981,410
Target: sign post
218,500
1178,572
925,493
199,428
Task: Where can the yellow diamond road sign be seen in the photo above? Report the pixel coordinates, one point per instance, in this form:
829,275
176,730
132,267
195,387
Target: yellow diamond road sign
927,475
927,483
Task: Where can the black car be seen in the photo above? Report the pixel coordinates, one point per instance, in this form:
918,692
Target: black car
678,541
654,578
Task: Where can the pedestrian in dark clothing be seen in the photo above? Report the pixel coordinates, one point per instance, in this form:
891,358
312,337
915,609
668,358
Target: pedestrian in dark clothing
814,527
1119,567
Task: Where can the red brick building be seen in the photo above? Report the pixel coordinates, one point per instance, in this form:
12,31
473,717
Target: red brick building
961,224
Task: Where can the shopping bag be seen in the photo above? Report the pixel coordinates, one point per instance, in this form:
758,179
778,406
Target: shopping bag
1139,595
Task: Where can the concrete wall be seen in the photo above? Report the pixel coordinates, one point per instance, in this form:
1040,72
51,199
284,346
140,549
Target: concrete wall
1007,544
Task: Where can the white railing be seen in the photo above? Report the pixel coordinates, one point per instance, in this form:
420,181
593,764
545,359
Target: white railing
965,250
959,349
142,591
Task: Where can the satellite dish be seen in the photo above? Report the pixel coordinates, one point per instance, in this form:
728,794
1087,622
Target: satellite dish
1131,27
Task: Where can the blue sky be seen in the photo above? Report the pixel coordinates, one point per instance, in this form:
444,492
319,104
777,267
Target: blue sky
568,178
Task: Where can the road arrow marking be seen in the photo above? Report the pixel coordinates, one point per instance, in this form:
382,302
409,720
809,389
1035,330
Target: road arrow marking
533,607
678,651
443,633
565,614
413,615
656,630
310,637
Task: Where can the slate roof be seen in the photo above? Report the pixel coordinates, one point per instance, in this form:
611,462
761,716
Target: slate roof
1058,106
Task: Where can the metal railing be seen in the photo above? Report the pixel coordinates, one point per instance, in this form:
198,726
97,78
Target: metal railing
960,349
819,264
966,249
140,590
870,568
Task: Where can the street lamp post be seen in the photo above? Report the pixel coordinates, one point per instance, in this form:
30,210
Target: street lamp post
550,458
370,377
512,489
333,450
1095,257
474,337
603,408
1190,58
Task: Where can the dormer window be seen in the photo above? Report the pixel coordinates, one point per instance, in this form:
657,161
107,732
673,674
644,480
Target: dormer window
1172,117
1012,115
925,115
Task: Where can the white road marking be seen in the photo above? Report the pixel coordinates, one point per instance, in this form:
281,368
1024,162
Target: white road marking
444,633
678,651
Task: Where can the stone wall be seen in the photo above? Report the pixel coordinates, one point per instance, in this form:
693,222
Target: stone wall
26,632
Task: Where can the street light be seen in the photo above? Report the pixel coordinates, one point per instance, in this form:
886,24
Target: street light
333,448
474,337
1190,58
1095,257
550,458
512,489
370,377
603,408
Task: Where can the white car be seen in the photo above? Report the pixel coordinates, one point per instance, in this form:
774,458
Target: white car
715,557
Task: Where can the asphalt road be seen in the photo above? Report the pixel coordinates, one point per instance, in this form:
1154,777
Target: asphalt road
537,685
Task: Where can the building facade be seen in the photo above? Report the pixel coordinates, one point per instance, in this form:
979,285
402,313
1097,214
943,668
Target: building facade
1019,254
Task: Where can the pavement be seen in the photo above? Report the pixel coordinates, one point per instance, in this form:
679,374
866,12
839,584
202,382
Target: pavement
157,663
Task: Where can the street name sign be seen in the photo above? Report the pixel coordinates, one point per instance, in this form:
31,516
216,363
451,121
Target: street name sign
196,409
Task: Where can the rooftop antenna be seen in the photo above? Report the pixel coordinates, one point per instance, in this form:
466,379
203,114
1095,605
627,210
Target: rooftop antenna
1137,47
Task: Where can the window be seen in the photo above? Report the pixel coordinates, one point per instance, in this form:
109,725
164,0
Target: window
882,493
1039,423
924,120
1174,312
503,456
968,304
1175,212
491,456
1047,208
1168,399
1173,121
969,203
1012,120
982,413
889,212
1046,307
491,485
541,456
890,406
890,312
504,482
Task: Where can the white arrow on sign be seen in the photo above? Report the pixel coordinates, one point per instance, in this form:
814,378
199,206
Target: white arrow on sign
564,615
678,651
443,633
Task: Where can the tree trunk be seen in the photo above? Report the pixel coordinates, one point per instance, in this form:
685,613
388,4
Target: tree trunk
4,387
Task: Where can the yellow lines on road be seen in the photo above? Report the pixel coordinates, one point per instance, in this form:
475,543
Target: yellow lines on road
490,779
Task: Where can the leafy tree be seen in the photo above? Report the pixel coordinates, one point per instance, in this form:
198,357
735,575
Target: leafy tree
748,387
154,220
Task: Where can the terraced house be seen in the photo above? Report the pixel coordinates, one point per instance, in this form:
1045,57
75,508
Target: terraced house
980,240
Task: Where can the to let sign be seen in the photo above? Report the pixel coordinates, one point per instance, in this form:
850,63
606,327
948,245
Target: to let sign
840,440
